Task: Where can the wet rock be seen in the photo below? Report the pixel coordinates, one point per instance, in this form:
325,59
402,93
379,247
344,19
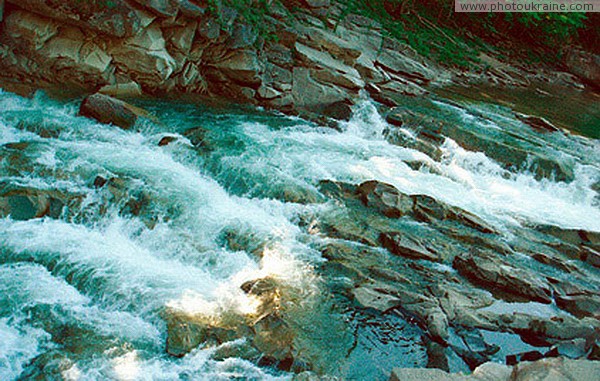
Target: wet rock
525,356
537,123
436,356
554,262
107,110
385,198
99,182
540,331
575,237
338,110
407,246
395,117
590,256
581,304
198,136
426,312
556,369
574,349
43,129
498,276
371,298
186,332
28,203
335,189
427,208
166,140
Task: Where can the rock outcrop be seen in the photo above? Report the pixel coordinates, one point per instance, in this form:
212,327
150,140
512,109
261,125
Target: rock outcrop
160,47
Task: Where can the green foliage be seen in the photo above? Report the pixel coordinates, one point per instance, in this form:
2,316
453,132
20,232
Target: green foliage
417,29
433,28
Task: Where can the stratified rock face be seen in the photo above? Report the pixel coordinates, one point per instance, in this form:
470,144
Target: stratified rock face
115,18
161,46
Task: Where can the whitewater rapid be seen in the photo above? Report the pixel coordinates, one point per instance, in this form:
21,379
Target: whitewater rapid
102,278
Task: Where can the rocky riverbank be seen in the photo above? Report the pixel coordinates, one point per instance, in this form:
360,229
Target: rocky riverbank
314,61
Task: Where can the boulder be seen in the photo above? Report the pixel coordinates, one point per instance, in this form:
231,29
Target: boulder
577,237
585,303
427,209
424,374
107,110
499,277
590,256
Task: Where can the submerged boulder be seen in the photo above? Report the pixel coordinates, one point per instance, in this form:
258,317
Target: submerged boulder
21,203
107,110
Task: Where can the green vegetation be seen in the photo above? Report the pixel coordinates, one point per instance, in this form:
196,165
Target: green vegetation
436,31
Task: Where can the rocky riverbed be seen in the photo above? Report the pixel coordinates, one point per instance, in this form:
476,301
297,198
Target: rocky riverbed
184,241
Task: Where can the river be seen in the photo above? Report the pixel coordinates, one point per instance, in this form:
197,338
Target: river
84,289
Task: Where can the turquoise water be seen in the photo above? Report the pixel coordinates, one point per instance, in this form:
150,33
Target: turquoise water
82,294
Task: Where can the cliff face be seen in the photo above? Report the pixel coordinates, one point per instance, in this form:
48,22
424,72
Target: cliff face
315,62
166,46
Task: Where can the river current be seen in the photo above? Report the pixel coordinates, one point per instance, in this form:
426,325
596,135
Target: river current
83,293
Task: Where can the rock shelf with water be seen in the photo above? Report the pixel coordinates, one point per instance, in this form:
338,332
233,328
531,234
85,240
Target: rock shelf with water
209,242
